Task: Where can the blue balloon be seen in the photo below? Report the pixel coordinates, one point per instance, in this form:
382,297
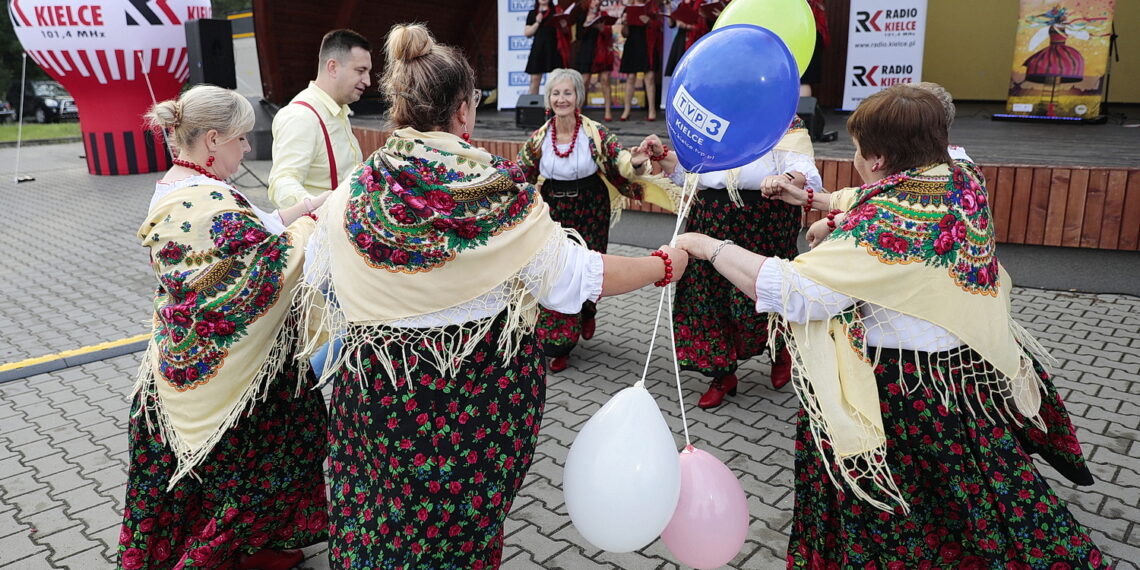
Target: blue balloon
732,98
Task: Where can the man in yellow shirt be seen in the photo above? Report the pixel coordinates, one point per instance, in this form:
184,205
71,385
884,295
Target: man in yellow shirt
313,145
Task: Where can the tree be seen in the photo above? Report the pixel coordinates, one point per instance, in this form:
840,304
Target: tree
10,63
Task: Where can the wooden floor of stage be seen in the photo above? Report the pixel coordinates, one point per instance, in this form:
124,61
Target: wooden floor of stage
1066,185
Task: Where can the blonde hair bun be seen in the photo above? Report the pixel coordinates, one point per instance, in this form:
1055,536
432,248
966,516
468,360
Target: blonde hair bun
407,42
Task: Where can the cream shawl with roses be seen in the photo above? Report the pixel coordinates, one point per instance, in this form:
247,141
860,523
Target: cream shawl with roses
224,325
428,223
919,243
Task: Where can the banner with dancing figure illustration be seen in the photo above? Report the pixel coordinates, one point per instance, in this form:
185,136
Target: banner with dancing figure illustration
1060,59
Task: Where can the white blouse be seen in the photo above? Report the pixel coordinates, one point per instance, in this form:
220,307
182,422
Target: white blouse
800,300
578,165
578,279
753,173
270,220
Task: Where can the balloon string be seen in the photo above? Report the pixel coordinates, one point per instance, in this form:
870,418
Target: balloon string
688,194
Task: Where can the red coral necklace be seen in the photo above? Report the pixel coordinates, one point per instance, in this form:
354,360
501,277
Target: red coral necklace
196,167
573,140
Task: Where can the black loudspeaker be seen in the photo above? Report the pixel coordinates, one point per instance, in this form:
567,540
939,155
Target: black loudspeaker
808,110
530,112
210,47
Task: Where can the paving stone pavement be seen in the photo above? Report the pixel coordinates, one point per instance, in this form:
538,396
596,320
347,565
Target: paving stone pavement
72,274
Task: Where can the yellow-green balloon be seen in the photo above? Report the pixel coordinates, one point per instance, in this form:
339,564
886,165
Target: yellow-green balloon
791,20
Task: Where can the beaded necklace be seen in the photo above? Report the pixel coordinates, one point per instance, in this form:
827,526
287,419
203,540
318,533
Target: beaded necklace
196,167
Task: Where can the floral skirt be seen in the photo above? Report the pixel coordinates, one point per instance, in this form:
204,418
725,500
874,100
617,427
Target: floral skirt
585,206
976,499
717,325
423,474
262,486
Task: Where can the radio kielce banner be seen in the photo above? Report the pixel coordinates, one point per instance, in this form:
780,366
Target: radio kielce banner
514,49
885,40
1060,58
99,50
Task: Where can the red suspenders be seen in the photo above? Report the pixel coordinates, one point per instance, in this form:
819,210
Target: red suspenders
328,145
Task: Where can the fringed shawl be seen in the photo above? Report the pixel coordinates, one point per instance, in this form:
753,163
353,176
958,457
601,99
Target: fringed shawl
223,323
920,243
426,224
614,165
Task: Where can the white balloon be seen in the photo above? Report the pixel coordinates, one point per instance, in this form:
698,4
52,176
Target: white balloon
623,475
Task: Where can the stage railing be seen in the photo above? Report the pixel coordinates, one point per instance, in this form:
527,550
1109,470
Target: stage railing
1087,207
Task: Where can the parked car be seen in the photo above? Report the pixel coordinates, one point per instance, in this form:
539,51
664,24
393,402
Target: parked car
46,101
7,113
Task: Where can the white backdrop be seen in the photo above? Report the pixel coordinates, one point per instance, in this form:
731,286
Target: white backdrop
514,49
884,46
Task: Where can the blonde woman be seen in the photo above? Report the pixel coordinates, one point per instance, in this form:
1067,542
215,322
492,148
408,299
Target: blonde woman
227,442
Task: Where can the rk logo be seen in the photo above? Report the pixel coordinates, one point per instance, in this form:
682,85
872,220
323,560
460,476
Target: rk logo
863,77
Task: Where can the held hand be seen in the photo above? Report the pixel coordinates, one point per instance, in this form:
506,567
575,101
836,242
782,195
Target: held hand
817,232
770,186
699,246
786,191
680,260
652,146
638,157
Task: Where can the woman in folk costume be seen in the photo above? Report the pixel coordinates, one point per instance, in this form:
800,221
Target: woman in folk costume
717,327
585,177
913,377
641,52
691,24
433,259
595,55
227,441
550,43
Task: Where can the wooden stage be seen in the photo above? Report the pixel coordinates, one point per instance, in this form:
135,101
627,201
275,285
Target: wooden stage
1054,185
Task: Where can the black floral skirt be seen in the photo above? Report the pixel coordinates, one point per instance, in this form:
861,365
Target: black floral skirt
262,486
716,324
976,499
423,474
585,206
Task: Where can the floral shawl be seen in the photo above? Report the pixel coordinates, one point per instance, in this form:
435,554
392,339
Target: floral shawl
427,224
614,166
921,243
223,321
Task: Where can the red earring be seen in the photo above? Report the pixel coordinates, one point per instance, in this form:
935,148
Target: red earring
466,136
210,161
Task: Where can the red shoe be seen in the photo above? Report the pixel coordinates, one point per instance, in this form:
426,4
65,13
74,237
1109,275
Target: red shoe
559,364
715,394
608,118
268,559
588,326
650,119
781,369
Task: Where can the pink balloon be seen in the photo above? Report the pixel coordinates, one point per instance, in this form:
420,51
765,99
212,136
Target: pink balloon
710,523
